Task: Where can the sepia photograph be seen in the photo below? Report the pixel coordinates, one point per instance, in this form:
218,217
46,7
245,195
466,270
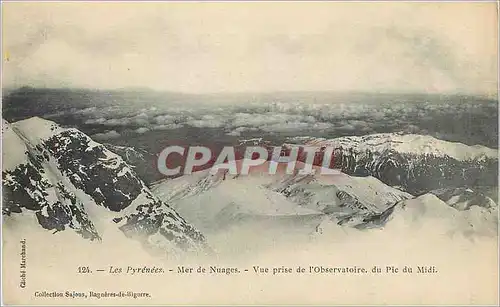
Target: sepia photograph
242,153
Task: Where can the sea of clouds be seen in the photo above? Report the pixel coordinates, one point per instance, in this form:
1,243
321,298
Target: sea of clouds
470,122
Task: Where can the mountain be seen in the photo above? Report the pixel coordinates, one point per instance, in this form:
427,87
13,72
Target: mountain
272,209
64,181
27,187
428,213
131,155
349,200
465,198
142,161
215,202
263,210
414,163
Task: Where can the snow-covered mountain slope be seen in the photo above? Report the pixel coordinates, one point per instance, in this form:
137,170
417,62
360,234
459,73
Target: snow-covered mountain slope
341,190
69,181
415,163
465,198
29,188
227,201
265,210
409,143
429,214
15,153
218,200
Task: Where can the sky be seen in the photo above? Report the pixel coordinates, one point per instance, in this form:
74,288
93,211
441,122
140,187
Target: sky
253,47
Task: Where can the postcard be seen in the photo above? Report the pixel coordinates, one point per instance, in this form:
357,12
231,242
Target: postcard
312,153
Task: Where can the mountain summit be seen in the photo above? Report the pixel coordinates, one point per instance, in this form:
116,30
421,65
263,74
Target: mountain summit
62,180
413,163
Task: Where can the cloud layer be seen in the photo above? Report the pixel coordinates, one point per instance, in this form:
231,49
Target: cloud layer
471,122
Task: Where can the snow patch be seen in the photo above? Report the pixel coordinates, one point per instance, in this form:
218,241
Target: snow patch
13,148
410,144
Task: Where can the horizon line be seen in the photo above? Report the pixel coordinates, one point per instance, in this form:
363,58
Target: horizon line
250,92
